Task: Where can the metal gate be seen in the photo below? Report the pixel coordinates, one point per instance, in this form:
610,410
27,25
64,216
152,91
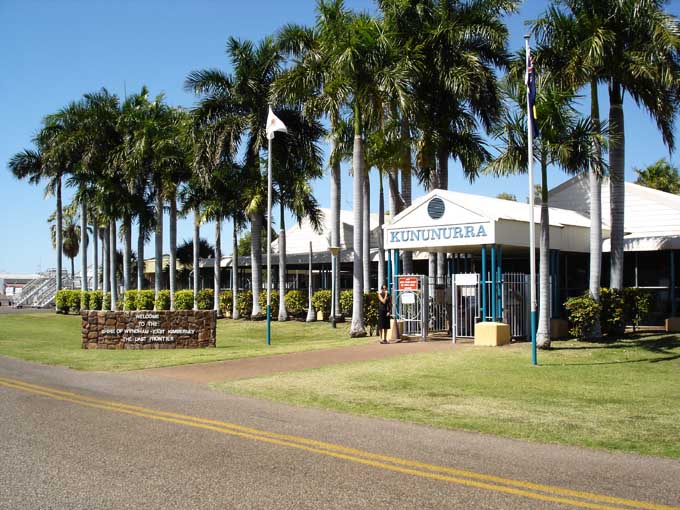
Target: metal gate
512,306
465,304
409,294
516,305
439,304
455,305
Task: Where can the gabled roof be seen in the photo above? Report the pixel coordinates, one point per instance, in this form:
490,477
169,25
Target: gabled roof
494,209
646,209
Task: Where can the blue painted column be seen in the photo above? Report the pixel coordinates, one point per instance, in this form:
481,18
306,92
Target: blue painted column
390,276
483,283
493,283
499,282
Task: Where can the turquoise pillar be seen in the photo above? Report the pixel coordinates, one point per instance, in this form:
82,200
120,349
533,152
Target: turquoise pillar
390,276
493,283
499,282
483,283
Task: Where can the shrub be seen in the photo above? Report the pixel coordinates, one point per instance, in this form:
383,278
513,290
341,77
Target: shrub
144,300
74,300
94,301
612,318
205,299
226,302
62,301
321,301
130,299
184,299
107,301
583,312
296,302
162,302
244,303
346,302
371,311
635,306
262,299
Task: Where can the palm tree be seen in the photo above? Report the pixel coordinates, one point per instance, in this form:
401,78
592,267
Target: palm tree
36,165
661,175
311,81
565,140
70,235
239,103
632,47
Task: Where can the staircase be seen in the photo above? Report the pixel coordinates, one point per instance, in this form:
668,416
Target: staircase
39,293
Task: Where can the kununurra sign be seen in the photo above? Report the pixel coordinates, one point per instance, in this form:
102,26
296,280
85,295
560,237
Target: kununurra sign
181,329
439,235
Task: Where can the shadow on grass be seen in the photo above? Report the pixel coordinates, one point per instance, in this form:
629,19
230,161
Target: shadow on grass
663,345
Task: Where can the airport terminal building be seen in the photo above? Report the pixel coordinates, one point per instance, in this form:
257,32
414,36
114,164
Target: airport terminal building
485,242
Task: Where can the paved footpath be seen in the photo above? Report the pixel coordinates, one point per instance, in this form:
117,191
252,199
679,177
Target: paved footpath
266,365
84,440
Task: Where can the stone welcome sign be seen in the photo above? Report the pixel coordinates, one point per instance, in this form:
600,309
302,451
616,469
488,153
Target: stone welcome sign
181,329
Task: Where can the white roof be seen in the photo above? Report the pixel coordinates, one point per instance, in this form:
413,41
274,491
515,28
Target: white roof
646,210
647,241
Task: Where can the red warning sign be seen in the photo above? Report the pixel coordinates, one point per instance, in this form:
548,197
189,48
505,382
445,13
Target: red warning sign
408,283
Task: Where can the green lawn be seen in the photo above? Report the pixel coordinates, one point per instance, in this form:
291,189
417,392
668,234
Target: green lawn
55,340
621,396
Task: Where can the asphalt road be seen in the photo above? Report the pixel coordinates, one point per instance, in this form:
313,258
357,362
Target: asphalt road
99,440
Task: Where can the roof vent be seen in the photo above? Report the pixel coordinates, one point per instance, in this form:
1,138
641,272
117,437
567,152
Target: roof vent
435,208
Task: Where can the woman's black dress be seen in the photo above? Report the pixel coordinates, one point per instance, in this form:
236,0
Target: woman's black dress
384,310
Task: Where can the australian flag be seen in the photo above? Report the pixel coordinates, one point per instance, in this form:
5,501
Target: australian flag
531,86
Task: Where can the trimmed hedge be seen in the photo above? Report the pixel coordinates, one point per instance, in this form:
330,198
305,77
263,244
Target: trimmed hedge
262,299
146,301
321,301
184,300
204,301
296,303
226,302
244,303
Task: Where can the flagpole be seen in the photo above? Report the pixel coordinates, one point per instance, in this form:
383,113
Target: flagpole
532,225
269,240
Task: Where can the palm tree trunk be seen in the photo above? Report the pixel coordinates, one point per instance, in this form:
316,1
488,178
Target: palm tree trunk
366,233
95,252
112,266
443,178
335,213
158,241
283,314
83,246
73,271
256,221
406,256
173,250
543,329
218,266
357,328
60,237
197,239
234,272
127,251
594,173
140,256
381,222
393,184
311,316
106,259
616,183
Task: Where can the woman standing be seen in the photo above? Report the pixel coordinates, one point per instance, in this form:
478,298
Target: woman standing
384,313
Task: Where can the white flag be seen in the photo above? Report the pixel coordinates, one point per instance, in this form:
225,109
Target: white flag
274,124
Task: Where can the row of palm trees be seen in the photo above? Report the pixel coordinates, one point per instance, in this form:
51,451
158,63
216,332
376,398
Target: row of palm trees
404,92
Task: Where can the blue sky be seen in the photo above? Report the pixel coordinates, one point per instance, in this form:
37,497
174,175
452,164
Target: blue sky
53,52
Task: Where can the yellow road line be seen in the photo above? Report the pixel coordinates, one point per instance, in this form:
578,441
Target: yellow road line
341,452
